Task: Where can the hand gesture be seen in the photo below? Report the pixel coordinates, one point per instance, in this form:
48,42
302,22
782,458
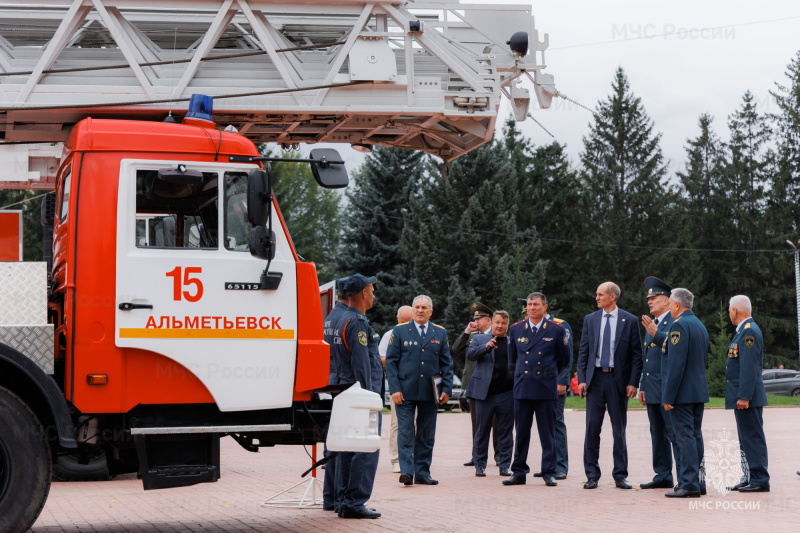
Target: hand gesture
649,325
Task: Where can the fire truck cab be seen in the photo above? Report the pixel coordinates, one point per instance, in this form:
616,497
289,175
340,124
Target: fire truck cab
177,312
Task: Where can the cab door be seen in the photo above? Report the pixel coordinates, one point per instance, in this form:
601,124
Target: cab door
188,288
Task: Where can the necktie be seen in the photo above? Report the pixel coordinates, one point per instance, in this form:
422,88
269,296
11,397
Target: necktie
605,349
422,331
656,321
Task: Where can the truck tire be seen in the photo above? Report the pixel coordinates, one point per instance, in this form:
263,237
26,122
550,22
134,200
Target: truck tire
25,464
69,468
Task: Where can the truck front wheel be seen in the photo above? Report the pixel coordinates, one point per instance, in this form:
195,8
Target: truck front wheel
25,464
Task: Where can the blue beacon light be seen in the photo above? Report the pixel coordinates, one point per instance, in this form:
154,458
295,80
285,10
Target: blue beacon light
200,107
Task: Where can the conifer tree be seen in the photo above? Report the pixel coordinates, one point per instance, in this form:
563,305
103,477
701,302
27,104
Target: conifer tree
379,199
624,173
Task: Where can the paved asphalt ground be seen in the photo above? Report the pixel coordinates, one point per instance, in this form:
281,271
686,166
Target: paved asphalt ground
461,502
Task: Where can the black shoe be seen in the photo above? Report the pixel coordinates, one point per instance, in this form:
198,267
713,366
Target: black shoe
737,486
663,484
550,481
470,463
406,479
591,484
514,480
480,472
426,481
505,472
754,488
329,508
622,483
681,493
361,513
703,491
537,474
561,475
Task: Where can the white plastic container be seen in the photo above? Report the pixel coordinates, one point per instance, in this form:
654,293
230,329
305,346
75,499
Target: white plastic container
354,421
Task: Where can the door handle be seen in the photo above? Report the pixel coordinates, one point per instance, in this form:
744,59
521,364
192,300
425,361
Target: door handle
127,306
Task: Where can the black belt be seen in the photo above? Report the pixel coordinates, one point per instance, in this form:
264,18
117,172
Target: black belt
607,370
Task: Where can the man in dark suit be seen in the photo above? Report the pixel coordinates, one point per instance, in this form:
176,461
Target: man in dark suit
355,347
480,323
685,389
661,434
609,368
744,391
418,352
537,352
492,387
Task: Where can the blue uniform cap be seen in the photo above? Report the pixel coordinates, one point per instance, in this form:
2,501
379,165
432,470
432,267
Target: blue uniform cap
357,283
657,287
524,302
341,285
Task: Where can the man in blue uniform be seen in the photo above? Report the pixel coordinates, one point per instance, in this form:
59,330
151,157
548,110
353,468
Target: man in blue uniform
492,387
562,452
418,358
661,434
744,391
355,346
685,389
329,487
538,351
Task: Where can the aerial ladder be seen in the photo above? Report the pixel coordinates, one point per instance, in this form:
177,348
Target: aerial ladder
415,74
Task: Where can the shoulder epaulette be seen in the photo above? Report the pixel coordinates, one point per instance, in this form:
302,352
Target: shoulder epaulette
557,320
747,325
438,326
402,323
520,322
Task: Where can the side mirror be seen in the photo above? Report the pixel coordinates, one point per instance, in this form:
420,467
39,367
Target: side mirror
258,193
262,243
328,168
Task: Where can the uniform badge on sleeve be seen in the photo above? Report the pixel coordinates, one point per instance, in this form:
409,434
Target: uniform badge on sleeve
675,337
362,337
391,339
566,339
749,341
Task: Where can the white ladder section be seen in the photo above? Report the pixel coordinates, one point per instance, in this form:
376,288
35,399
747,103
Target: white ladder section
417,74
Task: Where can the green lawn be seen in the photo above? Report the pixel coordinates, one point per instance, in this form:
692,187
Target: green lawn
575,402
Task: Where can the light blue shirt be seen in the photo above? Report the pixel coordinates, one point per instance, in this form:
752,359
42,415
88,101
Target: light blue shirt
613,322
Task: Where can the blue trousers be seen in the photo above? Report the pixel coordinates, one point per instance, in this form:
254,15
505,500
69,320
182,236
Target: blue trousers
687,421
415,447
329,486
562,453
604,393
355,476
545,412
498,407
662,438
750,426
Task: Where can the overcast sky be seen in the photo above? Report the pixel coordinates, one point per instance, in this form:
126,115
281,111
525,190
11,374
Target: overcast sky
682,58
691,70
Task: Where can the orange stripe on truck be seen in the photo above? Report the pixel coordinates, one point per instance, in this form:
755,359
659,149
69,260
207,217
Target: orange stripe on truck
152,333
